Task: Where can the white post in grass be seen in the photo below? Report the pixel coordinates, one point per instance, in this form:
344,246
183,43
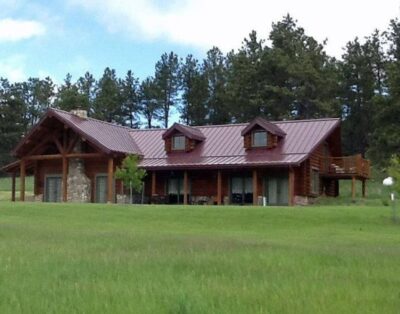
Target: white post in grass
389,182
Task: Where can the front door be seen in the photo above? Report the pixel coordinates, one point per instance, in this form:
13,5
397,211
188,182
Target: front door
101,189
53,189
277,190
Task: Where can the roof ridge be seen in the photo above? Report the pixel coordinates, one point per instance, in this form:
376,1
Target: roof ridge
93,119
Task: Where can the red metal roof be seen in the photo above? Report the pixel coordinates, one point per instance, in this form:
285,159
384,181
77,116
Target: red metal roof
189,131
266,125
223,146
107,136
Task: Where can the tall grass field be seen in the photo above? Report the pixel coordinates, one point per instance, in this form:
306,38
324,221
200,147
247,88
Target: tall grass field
68,258
90,258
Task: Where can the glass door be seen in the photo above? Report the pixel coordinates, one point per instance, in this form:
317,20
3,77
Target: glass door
175,190
277,190
53,189
242,190
101,189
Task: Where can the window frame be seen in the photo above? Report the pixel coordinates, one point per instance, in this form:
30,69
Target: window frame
173,148
253,143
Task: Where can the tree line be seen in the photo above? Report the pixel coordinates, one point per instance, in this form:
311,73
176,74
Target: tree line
287,76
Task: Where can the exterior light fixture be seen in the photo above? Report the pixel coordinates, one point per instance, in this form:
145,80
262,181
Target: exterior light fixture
389,182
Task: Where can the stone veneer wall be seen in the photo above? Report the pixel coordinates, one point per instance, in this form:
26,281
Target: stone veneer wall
79,187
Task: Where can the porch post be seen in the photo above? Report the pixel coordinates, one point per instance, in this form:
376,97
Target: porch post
185,187
364,188
65,177
291,186
255,185
153,183
22,181
110,179
219,187
13,187
353,188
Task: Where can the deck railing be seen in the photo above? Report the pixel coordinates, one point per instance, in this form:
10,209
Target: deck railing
348,165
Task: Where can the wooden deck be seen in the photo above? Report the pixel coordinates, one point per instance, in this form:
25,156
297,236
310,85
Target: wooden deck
347,167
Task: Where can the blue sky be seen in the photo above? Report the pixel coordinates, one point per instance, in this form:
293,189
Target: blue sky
52,38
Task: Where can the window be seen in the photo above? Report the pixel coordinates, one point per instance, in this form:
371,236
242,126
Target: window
178,142
314,181
259,139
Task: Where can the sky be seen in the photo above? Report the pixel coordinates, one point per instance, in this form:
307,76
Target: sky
41,38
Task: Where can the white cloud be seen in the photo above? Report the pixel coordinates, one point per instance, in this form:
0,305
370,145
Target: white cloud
15,30
13,68
224,23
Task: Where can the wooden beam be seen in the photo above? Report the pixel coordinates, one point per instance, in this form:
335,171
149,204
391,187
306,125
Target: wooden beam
60,156
65,178
35,178
45,141
255,187
13,187
58,144
353,188
153,183
22,180
185,187
219,187
72,143
110,180
364,188
291,186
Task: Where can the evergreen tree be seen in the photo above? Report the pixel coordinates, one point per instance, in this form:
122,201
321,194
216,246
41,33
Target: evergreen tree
195,93
359,87
12,124
215,71
167,80
87,87
107,105
130,99
244,81
150,108
68,96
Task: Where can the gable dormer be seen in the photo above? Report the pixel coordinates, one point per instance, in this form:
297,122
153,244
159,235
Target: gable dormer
261,133
182,138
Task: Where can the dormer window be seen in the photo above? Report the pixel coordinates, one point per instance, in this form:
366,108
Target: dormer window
259,139
182,138
261,134
178,142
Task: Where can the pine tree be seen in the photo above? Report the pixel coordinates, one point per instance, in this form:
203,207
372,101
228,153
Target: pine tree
150,108
130,99
194,86
167,80
107,105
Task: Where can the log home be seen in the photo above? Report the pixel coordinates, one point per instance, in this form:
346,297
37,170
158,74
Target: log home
73,159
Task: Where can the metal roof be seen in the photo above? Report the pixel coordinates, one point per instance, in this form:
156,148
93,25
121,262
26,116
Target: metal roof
107,136
189,131
264,124
223,146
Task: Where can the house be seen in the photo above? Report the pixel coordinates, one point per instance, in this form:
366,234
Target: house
73,158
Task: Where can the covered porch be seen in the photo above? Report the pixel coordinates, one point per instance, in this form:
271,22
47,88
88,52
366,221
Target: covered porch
221,186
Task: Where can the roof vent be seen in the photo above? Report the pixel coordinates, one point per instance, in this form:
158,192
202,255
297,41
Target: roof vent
79,113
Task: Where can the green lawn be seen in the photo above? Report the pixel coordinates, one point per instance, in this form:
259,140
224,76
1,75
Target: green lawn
57,258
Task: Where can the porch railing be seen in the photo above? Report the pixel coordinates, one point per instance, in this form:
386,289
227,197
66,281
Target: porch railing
348,165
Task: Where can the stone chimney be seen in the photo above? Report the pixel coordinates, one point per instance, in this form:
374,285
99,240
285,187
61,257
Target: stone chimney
79,113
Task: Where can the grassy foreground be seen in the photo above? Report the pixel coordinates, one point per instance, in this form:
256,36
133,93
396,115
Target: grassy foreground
57,258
